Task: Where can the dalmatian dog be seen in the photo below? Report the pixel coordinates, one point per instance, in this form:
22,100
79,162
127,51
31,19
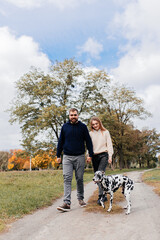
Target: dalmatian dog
111,184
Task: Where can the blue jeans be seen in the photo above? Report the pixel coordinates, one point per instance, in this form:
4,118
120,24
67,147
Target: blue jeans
71,163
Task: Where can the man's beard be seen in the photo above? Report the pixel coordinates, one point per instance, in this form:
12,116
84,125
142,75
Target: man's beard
74,121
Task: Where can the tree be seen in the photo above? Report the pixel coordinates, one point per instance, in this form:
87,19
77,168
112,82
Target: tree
17,159
42,160
4,155
43,100
150,147
123,107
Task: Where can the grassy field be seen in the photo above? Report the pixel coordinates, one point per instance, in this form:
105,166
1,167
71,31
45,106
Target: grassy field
153,178
24,192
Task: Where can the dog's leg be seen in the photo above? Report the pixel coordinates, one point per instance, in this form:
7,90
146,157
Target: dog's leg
127,196
101,200
102,203
111,200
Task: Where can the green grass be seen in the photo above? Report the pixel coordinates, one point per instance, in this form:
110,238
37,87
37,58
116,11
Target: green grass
153,178
24,192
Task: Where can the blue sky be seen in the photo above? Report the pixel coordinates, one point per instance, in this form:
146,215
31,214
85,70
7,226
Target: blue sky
120,36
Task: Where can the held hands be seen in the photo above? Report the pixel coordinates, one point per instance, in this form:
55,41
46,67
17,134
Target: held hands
89,159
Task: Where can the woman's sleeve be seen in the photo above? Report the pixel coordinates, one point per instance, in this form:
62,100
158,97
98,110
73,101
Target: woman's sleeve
109,143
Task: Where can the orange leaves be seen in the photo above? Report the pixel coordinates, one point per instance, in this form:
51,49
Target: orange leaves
42,160
45,160
19,160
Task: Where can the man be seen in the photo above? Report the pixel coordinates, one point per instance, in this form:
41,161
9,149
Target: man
74,135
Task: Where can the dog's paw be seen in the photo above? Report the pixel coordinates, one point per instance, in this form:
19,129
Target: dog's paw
127,213
102,204
109,209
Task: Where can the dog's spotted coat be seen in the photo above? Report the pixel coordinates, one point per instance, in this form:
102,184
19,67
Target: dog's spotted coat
111,183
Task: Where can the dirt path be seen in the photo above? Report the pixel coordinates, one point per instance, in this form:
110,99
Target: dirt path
48,224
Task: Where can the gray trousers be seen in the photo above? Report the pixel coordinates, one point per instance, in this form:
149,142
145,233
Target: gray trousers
71,163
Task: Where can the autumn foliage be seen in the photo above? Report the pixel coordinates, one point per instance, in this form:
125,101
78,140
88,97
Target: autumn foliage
20,160
45,160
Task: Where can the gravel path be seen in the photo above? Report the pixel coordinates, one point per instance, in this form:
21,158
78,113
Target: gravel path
48,224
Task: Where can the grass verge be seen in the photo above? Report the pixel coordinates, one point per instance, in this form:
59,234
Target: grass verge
23,192
152,178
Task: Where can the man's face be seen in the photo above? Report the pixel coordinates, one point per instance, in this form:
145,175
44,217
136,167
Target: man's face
73,117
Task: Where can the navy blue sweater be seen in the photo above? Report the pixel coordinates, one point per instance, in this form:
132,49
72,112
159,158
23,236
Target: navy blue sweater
73,138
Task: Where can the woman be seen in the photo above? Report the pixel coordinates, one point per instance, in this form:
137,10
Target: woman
102,148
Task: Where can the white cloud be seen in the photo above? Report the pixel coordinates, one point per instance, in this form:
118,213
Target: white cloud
18,54
138,67
27,4
61,4
92,47
139,24
151,98
139,20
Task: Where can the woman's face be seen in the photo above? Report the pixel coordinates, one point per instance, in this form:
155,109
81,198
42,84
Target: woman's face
95,125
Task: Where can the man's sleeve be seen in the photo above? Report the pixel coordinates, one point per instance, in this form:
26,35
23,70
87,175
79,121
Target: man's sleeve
60,144
88,142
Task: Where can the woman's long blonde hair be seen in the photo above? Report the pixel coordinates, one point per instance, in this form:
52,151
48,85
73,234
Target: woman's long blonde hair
100,124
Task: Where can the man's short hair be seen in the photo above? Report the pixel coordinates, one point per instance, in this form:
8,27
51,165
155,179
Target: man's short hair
73,110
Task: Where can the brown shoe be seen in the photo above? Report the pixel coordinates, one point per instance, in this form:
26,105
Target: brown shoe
82,203
64,208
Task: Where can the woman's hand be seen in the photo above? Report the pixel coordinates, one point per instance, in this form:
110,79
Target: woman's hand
110,159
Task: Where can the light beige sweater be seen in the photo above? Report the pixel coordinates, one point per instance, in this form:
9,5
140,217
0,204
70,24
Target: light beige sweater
101,142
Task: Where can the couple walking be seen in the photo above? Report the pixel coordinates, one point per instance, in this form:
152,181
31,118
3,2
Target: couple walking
74,135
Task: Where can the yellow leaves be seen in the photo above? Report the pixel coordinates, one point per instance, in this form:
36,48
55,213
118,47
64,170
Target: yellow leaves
42,161
10,166
16,161
45,160
19,160
27,165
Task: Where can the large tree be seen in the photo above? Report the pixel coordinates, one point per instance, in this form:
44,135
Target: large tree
123,107
43,100
150,141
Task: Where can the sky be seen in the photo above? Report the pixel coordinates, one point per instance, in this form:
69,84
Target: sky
120,36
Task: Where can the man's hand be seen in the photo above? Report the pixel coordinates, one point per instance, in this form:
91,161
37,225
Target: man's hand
89,159
58,160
